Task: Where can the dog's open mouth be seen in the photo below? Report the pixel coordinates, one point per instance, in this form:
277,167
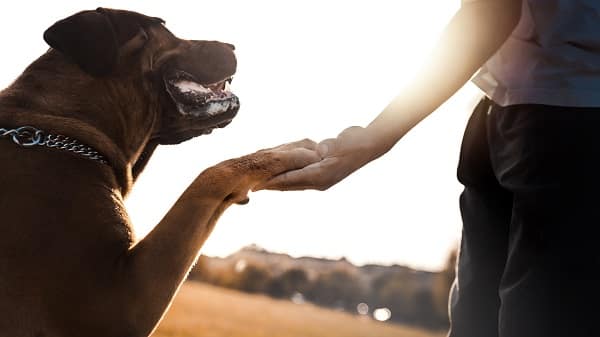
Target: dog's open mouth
202,101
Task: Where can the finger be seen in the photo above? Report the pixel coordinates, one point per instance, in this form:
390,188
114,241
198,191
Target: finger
317,176
327,147
304,143
293,159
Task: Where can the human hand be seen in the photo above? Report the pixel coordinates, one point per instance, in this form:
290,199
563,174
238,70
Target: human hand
340,156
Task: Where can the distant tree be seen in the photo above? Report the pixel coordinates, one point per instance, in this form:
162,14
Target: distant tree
289,282
423,312
253,279
338,288
295,280
276,288
396,292
412,301
225,278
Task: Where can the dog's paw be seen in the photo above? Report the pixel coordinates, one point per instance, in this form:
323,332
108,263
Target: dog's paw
232,179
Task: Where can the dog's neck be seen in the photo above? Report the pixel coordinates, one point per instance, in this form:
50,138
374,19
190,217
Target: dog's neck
83,132
108,121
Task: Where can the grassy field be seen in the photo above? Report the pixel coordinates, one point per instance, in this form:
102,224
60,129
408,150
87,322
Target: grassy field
205,311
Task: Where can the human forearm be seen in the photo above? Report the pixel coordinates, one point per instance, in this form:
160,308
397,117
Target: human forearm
472,36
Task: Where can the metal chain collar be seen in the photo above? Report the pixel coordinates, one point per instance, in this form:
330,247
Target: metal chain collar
28,136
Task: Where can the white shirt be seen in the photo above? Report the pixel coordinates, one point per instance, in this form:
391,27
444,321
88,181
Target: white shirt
552,57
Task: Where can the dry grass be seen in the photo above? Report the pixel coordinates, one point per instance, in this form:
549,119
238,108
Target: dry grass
205,311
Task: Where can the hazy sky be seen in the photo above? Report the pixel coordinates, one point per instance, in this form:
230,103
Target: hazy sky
306,69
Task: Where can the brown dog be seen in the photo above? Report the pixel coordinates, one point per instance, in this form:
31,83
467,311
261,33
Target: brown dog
117,83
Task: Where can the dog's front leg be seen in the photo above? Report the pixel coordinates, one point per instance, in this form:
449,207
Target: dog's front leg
154,269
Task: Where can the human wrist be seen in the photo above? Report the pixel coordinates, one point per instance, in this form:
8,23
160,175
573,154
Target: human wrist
380,139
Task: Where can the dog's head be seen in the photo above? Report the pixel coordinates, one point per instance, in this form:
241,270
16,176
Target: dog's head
179,88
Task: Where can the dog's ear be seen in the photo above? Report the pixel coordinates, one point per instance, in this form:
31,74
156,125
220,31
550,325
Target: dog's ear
92,39
88,39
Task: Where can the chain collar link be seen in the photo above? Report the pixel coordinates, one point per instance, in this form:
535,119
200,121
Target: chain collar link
28,136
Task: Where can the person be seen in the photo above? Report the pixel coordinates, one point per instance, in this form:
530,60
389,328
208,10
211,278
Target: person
529,163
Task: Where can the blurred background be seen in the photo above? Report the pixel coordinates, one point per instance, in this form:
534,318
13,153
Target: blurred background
377,247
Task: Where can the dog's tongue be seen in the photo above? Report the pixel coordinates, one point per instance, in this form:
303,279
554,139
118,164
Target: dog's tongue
192,88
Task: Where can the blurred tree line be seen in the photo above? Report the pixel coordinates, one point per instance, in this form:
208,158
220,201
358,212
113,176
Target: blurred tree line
413,297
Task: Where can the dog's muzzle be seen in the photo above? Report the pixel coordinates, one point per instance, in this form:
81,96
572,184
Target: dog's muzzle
202,101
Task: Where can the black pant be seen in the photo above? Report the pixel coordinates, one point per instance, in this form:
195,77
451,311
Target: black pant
530,251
